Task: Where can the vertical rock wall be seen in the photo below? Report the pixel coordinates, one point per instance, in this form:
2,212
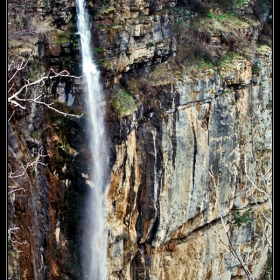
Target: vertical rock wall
175,177
196,151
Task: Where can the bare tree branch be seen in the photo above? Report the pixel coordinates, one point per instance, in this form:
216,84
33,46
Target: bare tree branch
259,189
15,189
255,186
230,246
19,67
11,231
15,100
32,165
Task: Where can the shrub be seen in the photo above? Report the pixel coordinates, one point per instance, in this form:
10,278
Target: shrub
122,104
35,134
244,218
150,44
255,69
268,268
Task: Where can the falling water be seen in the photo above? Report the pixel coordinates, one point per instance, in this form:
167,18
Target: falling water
95,244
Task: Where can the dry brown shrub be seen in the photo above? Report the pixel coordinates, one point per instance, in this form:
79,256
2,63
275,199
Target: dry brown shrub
161,74
265,36
22,25
146,86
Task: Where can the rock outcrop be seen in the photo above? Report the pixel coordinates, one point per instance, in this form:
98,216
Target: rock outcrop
190,158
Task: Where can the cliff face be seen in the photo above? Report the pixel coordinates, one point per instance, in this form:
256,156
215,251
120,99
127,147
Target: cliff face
190,146
179,174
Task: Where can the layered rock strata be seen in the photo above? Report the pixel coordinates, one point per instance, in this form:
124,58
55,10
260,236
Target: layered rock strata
190,164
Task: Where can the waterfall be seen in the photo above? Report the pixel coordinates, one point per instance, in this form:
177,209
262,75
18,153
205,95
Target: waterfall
94,249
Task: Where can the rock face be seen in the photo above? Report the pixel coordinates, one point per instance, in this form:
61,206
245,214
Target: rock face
175,178
190,162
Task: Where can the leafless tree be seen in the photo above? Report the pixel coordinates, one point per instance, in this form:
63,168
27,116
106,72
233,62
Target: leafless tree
12,235
228,244
15,98
13,188
249,192
20,98
31,166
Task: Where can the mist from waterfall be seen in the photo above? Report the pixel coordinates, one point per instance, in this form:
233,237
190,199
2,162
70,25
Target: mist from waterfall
94,248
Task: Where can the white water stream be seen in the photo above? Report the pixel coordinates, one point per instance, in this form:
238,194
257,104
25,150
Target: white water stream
95,245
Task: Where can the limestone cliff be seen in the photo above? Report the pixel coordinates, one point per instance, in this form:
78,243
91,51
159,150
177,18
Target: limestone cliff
188,88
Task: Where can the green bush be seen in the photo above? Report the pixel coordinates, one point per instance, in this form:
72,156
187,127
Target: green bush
97,50
244,218
122,104
35,134
268,268
255,69
150,44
